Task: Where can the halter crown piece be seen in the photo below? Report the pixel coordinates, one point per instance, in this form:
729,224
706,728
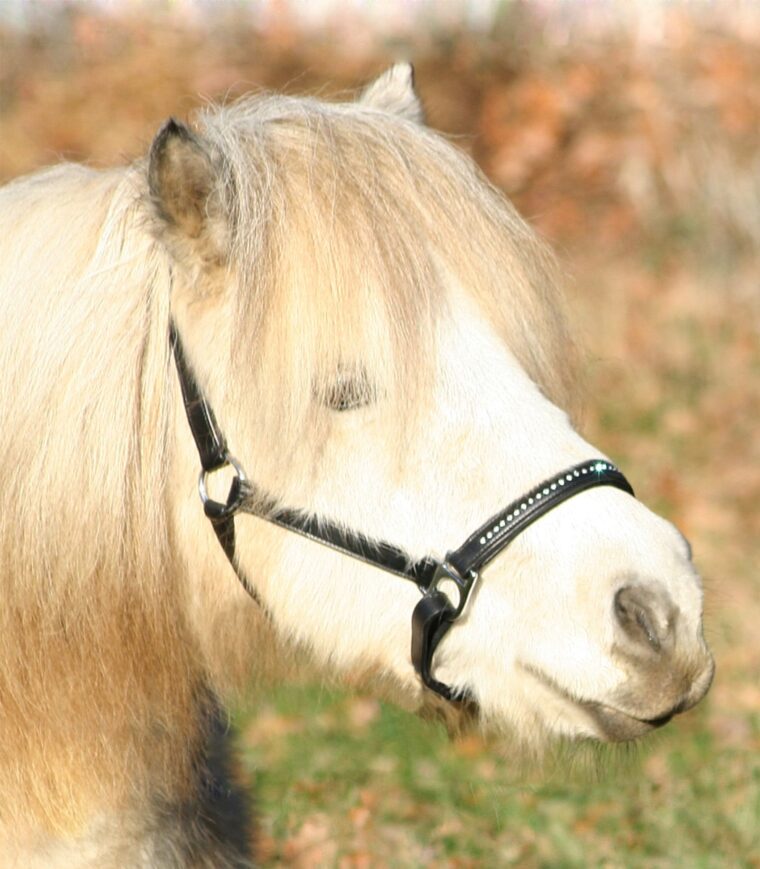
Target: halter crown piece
438,609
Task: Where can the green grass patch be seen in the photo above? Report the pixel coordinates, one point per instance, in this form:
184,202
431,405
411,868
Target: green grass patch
380,780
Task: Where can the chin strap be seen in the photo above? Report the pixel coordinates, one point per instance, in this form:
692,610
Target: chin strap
446,585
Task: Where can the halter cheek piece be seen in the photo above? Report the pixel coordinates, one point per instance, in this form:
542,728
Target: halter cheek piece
445,585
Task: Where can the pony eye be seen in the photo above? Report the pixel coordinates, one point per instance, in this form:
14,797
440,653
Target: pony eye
348,391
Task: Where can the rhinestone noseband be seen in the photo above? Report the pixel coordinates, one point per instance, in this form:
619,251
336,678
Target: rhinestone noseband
446,585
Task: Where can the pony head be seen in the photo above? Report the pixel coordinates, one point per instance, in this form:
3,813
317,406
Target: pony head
380,337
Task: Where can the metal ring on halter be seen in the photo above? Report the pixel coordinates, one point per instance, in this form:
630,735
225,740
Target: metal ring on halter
217,509
447,575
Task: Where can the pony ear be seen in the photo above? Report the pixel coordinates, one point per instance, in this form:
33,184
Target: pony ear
183,180
394,92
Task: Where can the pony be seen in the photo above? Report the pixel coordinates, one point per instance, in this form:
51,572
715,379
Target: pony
381,339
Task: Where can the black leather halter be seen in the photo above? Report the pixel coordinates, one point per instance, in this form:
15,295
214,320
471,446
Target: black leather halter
446,585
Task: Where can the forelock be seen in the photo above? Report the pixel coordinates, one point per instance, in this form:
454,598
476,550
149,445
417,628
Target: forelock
348,223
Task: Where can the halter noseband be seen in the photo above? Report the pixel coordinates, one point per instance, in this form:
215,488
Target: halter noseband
457,573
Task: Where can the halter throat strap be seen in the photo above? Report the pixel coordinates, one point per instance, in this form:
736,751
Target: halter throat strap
446,585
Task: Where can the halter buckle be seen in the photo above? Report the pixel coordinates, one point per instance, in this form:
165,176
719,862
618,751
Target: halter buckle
445,575
217,511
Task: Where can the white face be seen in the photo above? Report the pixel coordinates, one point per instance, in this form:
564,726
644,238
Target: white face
588,624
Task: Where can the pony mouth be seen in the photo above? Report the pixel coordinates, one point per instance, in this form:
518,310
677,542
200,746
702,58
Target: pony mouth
619,726
611,723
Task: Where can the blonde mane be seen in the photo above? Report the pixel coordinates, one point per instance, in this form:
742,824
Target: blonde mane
348,229
85,560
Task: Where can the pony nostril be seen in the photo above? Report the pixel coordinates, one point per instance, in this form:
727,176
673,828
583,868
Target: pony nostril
646,616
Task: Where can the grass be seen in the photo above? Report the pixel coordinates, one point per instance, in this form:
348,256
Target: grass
379,780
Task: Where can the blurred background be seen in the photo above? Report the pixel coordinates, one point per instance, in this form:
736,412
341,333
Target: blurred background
627,133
